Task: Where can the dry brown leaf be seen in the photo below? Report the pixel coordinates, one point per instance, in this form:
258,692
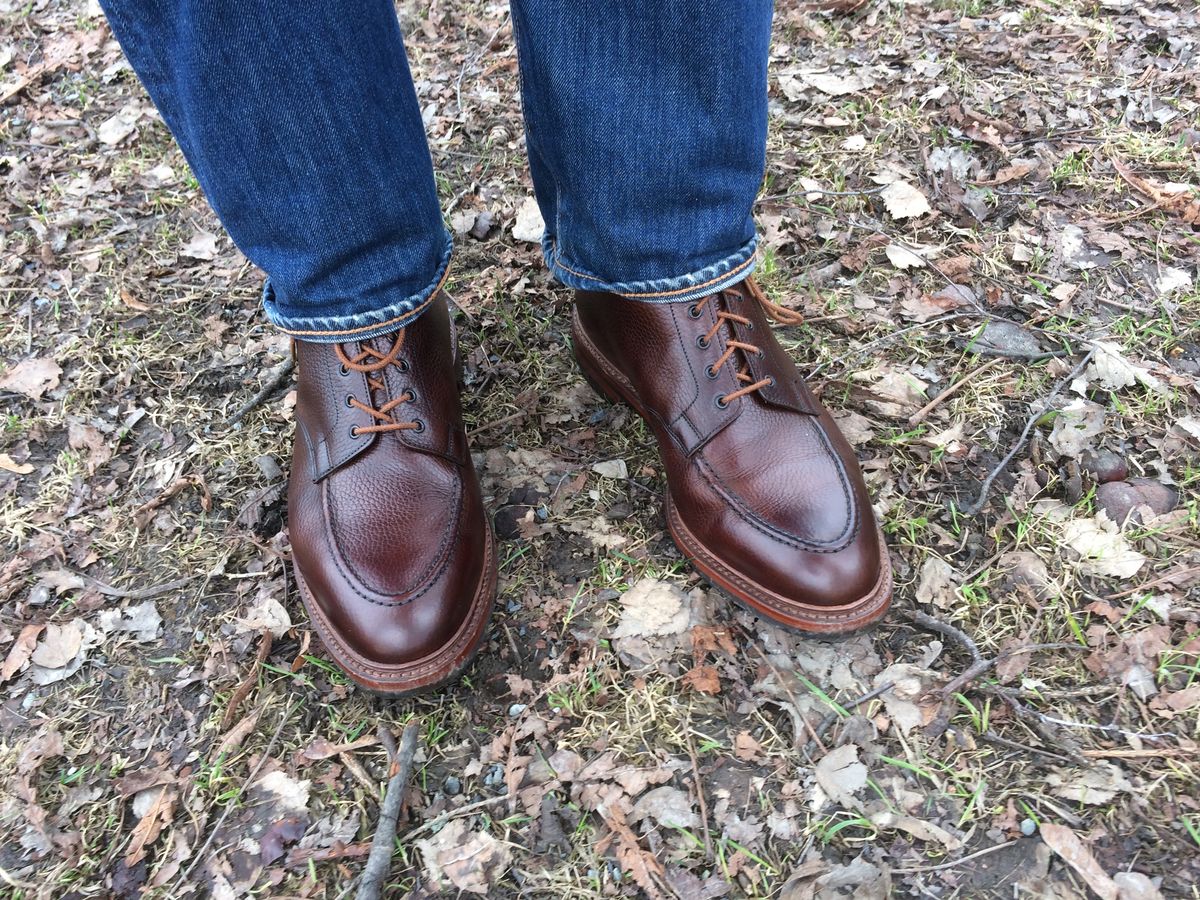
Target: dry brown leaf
8,464
841,775
703,678
745,747
903,201
20,652
471,861
160,812
667,806
32,377
1063,841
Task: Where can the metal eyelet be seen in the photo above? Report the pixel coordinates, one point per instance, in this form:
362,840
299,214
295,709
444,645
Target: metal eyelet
701,342
350,400
420,426
353,432
694,311
710,372
345,371
762,354
749,326
402,365
412,396
770,381
721,403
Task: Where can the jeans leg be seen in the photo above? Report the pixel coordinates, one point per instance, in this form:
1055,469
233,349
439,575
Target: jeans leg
302,125
646,125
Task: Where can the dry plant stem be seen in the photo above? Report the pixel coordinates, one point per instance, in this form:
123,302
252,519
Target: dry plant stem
886,339
992,738
1153,582
814,738
919,416
826,723
379,862
243,690
699,791
299,859
912,870
281,373
453,814
137,594
960,637
986,488
262,760
985,665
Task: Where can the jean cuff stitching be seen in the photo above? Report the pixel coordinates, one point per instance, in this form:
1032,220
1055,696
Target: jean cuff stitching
359,325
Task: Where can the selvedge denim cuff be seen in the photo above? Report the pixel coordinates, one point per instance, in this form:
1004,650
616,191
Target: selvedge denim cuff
691,286
363,325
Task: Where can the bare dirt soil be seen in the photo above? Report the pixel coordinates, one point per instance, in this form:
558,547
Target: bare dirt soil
986,209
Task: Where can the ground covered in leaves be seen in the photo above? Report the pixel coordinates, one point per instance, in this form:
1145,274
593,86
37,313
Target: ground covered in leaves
987,209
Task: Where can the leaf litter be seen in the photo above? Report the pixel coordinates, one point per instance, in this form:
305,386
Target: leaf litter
948,186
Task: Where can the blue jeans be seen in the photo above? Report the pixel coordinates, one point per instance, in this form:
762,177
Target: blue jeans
645,124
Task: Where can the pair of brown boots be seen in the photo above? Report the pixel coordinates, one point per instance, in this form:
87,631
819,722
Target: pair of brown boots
394,552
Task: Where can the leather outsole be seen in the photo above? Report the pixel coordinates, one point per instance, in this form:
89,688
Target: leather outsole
437,668
830,621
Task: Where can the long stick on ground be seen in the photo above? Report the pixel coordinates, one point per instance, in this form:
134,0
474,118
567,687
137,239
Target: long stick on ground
379,863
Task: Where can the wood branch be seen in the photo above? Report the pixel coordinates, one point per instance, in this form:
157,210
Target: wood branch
379,862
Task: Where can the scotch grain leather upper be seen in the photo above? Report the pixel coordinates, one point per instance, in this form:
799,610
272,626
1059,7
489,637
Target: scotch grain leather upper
764,494
391,546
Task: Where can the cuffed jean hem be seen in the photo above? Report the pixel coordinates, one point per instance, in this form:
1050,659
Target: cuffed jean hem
359,326
716,277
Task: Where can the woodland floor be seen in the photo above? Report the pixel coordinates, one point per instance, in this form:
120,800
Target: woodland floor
998,198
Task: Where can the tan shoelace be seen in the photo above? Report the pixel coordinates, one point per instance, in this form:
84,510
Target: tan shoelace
384,420
780,314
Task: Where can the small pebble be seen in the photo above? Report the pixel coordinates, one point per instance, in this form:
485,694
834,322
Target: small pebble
516,709
1028,827
453,786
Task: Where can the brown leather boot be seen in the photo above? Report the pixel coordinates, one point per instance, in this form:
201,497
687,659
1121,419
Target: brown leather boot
392,550
764,495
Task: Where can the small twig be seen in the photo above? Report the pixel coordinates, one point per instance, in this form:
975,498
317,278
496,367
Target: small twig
298,858
986,665
960,637
992,738
1147,753
826,723
379,862
453,814
243,690
794,195
912,870
1169,576
229,807
699,783
136,593
282,372
986,487
919,416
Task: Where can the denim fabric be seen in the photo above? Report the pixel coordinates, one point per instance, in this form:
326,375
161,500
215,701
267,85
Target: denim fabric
646,129
646,126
